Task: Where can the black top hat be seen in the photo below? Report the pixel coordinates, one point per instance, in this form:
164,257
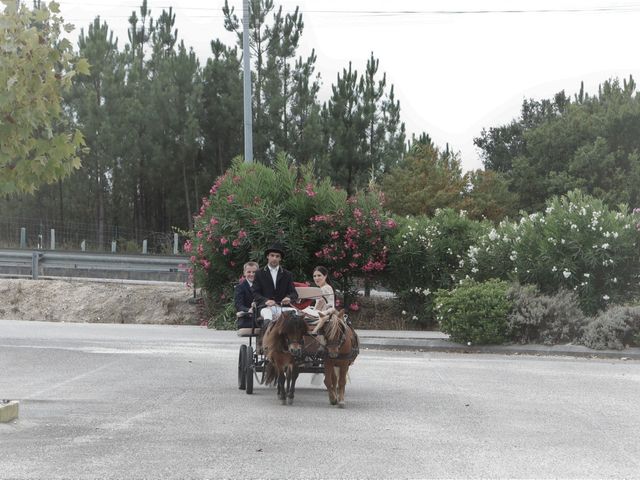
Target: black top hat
275,247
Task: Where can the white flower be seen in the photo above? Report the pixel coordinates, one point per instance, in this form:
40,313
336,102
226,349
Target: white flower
615,234
566,273
605,297
474,270
562,241
605,246
426,292
615,280
404,312
586,275
554,269
414,318
493,235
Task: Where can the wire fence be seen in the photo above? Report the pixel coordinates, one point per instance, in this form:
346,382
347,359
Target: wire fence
50,235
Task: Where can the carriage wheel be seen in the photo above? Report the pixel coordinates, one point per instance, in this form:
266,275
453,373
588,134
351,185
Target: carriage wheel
249,370
242,367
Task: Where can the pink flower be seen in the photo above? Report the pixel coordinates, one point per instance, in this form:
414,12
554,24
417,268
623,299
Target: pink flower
225,251
309,190
391,223
205,263
200,250
230,198
223,241
242,234
199,234
192,259
236,243
188,246
213,221
354,307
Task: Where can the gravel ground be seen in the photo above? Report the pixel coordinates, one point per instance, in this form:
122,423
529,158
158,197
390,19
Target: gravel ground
106,302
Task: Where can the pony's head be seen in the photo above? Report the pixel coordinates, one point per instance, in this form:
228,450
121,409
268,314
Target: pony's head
291,329
335,334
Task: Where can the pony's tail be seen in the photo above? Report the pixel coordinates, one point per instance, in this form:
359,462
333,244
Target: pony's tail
270,374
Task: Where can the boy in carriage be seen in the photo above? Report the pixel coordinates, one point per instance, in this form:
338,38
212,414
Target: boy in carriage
273,289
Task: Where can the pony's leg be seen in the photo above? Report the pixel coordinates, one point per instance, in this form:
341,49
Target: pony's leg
281,387
342,381
330,382
292,389
287,390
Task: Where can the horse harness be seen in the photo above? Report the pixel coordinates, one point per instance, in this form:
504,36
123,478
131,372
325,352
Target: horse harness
355,347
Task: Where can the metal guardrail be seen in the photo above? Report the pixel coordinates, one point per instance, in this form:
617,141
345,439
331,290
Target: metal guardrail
36,263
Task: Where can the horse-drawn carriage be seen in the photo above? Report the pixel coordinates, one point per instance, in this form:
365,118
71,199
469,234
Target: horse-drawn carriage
296,343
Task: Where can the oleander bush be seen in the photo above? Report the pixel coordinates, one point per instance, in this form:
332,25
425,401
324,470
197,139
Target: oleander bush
425,255
252,205
474,312
614,328
578,243
547,319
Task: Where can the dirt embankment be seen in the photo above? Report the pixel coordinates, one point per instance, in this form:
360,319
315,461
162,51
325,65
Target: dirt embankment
83,301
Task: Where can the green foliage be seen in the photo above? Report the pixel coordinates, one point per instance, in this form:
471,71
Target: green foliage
474,312
614,328
253,205
558,145
577,243
488,196
37,66
353,240
425,255
222,318
547,319
364,134
427,180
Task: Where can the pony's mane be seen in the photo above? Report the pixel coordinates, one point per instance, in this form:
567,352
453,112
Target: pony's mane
336,325
288,325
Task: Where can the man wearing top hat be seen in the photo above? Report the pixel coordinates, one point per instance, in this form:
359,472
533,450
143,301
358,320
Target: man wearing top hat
273,286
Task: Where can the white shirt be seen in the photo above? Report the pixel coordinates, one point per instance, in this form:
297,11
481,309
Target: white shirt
274,274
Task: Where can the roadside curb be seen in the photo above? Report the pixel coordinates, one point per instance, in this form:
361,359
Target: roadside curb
443,345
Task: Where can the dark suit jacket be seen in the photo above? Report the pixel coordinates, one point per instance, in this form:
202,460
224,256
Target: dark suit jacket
264,290
243,296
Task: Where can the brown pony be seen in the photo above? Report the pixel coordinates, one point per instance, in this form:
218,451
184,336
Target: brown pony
342,345
282,343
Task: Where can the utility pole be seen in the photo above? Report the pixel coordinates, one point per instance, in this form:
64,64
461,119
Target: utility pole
246,54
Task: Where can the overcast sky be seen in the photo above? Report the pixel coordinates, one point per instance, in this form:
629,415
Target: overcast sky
457,65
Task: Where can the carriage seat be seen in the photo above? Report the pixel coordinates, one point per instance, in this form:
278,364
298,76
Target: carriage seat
248,332
247,324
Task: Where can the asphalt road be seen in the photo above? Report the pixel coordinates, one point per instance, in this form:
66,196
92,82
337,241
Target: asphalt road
131,401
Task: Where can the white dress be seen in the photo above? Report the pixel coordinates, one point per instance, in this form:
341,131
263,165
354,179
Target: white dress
328,299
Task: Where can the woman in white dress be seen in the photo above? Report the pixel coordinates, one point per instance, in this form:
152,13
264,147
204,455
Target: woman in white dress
327,302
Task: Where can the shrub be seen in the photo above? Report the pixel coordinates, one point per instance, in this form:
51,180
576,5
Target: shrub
425,254
547,319
353,241
613,328
252,205
223,319
577,244
474,312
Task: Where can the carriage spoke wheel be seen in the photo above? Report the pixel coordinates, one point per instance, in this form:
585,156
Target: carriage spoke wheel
242,367
249,367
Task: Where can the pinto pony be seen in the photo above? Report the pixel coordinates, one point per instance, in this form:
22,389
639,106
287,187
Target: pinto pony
282,343
342,346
